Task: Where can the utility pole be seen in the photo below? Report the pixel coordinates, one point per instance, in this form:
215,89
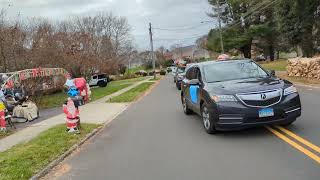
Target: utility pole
152,54
220,29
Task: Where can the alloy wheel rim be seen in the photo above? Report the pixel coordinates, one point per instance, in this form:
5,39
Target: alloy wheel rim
206,118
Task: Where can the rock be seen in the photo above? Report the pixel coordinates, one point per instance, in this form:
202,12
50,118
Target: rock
304,67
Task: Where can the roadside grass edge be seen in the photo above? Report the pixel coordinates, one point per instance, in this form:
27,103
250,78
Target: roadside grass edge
54,163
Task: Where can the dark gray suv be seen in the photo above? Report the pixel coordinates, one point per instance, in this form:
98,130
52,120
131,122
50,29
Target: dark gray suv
238,94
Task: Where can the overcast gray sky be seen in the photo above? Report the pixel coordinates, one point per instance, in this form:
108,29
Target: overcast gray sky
166,14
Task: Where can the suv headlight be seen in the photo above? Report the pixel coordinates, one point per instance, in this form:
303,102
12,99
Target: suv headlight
224,98
290,90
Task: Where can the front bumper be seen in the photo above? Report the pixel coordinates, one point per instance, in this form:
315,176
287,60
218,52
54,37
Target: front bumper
236,116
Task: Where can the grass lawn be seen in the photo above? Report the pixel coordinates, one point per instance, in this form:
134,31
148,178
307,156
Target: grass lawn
133,94
302,80
25,160
56,100
277,65
5,134
136,69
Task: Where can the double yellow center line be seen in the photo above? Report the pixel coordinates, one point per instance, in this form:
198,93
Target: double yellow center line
281,133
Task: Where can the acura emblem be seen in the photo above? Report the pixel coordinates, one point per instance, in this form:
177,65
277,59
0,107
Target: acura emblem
263,96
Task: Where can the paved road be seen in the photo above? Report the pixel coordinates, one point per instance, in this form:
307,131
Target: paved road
154,140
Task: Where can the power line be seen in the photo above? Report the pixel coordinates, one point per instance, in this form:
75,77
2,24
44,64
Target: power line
182,28
178,39
254,11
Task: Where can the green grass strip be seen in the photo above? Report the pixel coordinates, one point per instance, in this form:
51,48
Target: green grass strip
5,134
277,65
56,100
24,160
132,94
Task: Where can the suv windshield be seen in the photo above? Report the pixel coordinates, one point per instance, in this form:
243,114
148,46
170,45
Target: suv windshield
227,71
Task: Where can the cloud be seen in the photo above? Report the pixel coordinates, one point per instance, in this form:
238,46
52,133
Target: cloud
162,13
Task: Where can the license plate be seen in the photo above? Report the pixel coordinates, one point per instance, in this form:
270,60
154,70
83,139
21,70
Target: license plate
267,112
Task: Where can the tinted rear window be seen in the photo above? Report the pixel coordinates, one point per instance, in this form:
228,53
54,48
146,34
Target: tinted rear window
102,76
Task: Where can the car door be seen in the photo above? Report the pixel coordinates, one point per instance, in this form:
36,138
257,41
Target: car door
191,91
194,90
93,81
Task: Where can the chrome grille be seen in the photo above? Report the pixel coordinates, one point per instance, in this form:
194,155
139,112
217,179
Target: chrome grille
261,99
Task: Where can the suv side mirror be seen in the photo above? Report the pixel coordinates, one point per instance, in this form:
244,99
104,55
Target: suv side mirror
272,72
194,82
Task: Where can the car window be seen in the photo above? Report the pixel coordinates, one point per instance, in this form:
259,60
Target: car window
102,76
226,71
192,73
189,73
199,75
94,77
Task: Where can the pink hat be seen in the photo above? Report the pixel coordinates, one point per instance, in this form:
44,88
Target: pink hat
223,57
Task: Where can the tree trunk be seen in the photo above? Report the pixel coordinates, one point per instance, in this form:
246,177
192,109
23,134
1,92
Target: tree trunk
299,50
271,52
246,50
278,54
307,45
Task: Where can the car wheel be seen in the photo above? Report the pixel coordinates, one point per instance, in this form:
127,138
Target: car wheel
207,120
186,109
178,86
102,84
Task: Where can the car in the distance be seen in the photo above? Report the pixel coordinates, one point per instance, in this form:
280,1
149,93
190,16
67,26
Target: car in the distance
182,75
178,71
100,80
238,94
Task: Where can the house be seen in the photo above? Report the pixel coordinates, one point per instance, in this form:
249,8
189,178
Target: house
189,52
201,54
183,52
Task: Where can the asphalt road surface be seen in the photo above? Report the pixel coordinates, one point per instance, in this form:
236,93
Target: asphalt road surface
155,140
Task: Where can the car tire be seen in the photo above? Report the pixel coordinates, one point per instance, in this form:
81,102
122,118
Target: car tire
208,120
178,86
102,84
186,109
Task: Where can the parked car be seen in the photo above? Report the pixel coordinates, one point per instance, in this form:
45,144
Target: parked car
171,69
142,73
238,94
260,58
163,72
100,80
181,76
178,71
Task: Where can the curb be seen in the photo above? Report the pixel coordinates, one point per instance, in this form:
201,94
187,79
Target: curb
306,85
57,161
48,168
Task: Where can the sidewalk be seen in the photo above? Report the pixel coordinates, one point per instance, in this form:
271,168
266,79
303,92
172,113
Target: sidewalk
97,112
